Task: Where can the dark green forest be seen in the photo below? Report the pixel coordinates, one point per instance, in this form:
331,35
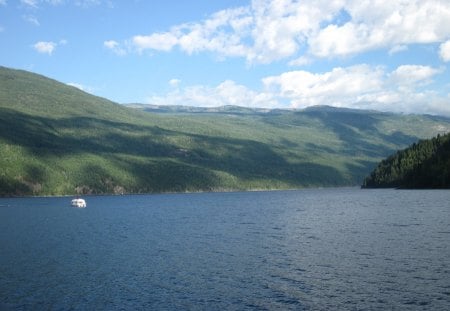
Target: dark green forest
424,165
58,140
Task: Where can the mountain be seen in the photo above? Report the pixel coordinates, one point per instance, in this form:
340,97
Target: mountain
56,139
425,164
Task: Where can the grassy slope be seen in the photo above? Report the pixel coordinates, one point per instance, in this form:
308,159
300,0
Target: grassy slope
56,139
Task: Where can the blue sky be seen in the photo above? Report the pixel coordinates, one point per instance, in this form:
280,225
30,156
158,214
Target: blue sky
384,55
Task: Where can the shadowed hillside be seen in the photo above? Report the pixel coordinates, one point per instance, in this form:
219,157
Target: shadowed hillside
56,139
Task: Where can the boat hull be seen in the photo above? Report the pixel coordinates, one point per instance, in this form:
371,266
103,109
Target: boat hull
79,203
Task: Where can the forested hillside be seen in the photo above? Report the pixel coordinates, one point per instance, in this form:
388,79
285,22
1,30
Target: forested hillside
425,164
56,139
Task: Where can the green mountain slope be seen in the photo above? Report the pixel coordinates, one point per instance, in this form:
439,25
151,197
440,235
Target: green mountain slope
56,139
422,165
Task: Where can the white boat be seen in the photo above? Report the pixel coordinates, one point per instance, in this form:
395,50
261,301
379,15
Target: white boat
78,202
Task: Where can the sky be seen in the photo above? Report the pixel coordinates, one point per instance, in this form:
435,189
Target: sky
367,54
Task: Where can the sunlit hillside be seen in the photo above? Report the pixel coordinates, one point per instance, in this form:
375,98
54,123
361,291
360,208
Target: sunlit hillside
56,139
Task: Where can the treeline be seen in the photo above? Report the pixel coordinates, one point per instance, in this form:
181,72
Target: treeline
425,164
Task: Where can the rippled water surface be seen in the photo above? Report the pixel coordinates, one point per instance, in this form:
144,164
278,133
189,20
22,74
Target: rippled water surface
339,249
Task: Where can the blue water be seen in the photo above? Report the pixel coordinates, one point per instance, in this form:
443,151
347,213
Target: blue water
324,249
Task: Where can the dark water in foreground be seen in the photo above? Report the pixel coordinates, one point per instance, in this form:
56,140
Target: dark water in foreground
330,249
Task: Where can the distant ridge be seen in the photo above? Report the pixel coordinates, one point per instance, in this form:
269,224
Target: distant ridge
56,139
190,109
243,110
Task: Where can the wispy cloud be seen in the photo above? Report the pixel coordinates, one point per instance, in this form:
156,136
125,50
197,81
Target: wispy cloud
30,3
78,3
55,2
115,47
398,49
174,82
87,3
32,20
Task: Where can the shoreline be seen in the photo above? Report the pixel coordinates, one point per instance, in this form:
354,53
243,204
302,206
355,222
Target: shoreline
180,192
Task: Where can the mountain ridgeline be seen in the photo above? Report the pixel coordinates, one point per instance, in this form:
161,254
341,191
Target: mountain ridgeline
425,164
58,140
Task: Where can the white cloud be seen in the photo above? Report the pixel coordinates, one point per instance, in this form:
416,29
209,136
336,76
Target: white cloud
239,32
444,51
337,87
379,24
158,41
174,82
226,93
218,34
48,47
339,40
232,93
266,31
361,86
45,47
411,75
111,44
115,47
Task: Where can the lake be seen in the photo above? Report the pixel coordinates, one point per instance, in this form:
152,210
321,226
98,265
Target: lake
314,249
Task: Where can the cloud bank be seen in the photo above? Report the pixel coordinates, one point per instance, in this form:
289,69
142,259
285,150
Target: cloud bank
266,31
358,86
301,33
